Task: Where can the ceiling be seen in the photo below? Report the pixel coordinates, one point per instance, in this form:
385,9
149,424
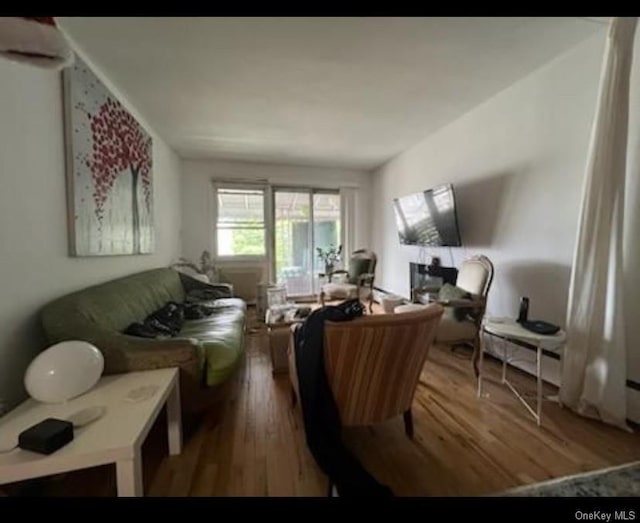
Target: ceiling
350,92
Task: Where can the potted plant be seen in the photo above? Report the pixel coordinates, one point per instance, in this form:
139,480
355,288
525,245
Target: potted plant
329,257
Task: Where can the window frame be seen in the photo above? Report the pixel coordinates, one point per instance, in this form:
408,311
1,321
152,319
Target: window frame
311,190
264,188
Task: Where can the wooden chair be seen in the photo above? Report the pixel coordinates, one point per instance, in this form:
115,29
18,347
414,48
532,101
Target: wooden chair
475,277
373,364
360,278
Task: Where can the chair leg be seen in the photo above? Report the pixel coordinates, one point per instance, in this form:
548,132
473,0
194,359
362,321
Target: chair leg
294,397
476,355
408,423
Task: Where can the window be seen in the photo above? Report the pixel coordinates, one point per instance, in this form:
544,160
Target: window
240,224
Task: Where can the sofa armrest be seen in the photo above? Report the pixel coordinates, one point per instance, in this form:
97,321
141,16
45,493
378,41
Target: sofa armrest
123,353
223,290
148,354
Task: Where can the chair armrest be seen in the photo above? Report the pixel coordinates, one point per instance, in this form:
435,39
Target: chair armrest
366,277
463,302
466,308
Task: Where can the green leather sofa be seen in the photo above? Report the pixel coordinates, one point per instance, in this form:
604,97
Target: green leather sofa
207,351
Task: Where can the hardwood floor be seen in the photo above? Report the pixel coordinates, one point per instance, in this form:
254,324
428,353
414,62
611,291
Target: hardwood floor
463,446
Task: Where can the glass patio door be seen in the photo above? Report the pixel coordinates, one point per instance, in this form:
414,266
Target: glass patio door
304,219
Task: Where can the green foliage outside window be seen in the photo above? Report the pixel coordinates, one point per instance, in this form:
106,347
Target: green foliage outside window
248,242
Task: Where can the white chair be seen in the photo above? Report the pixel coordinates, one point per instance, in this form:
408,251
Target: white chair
462,320
359,279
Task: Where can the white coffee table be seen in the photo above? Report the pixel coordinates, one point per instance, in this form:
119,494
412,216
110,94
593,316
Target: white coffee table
507,329
114,438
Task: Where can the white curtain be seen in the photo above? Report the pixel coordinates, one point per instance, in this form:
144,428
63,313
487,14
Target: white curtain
594,364
347,216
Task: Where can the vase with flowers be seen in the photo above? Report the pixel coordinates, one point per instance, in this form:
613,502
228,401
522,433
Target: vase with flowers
330,257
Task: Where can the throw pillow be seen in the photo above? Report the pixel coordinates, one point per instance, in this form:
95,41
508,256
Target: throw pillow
451,292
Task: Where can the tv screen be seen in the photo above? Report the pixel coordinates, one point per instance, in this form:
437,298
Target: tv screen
428,218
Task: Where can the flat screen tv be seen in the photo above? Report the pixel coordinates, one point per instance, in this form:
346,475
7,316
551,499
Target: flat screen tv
428,218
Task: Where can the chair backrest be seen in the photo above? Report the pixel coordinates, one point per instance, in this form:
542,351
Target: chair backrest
373,363
362,261
476,275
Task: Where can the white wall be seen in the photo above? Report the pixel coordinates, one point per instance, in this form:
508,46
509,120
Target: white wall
517,164
197,176
34,261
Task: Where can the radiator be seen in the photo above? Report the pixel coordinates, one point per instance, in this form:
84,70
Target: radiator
244,280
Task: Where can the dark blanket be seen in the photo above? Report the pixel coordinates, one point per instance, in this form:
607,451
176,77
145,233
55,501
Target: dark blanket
207,294
168,320
321,417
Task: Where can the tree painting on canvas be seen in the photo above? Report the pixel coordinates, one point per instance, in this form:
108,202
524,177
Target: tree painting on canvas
110,187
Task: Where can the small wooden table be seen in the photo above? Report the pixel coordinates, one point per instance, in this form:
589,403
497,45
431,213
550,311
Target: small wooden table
279,334
508,329
114,438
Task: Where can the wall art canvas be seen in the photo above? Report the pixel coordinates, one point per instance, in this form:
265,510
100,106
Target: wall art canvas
109,170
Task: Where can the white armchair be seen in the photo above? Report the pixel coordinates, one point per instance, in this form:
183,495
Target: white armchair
462,319
359,279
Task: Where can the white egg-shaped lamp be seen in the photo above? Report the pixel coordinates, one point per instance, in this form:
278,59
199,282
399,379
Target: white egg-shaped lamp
64,371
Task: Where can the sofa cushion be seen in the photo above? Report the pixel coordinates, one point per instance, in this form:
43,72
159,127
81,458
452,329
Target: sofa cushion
166,321
235,303
221,337
142,330
196,311
116,304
